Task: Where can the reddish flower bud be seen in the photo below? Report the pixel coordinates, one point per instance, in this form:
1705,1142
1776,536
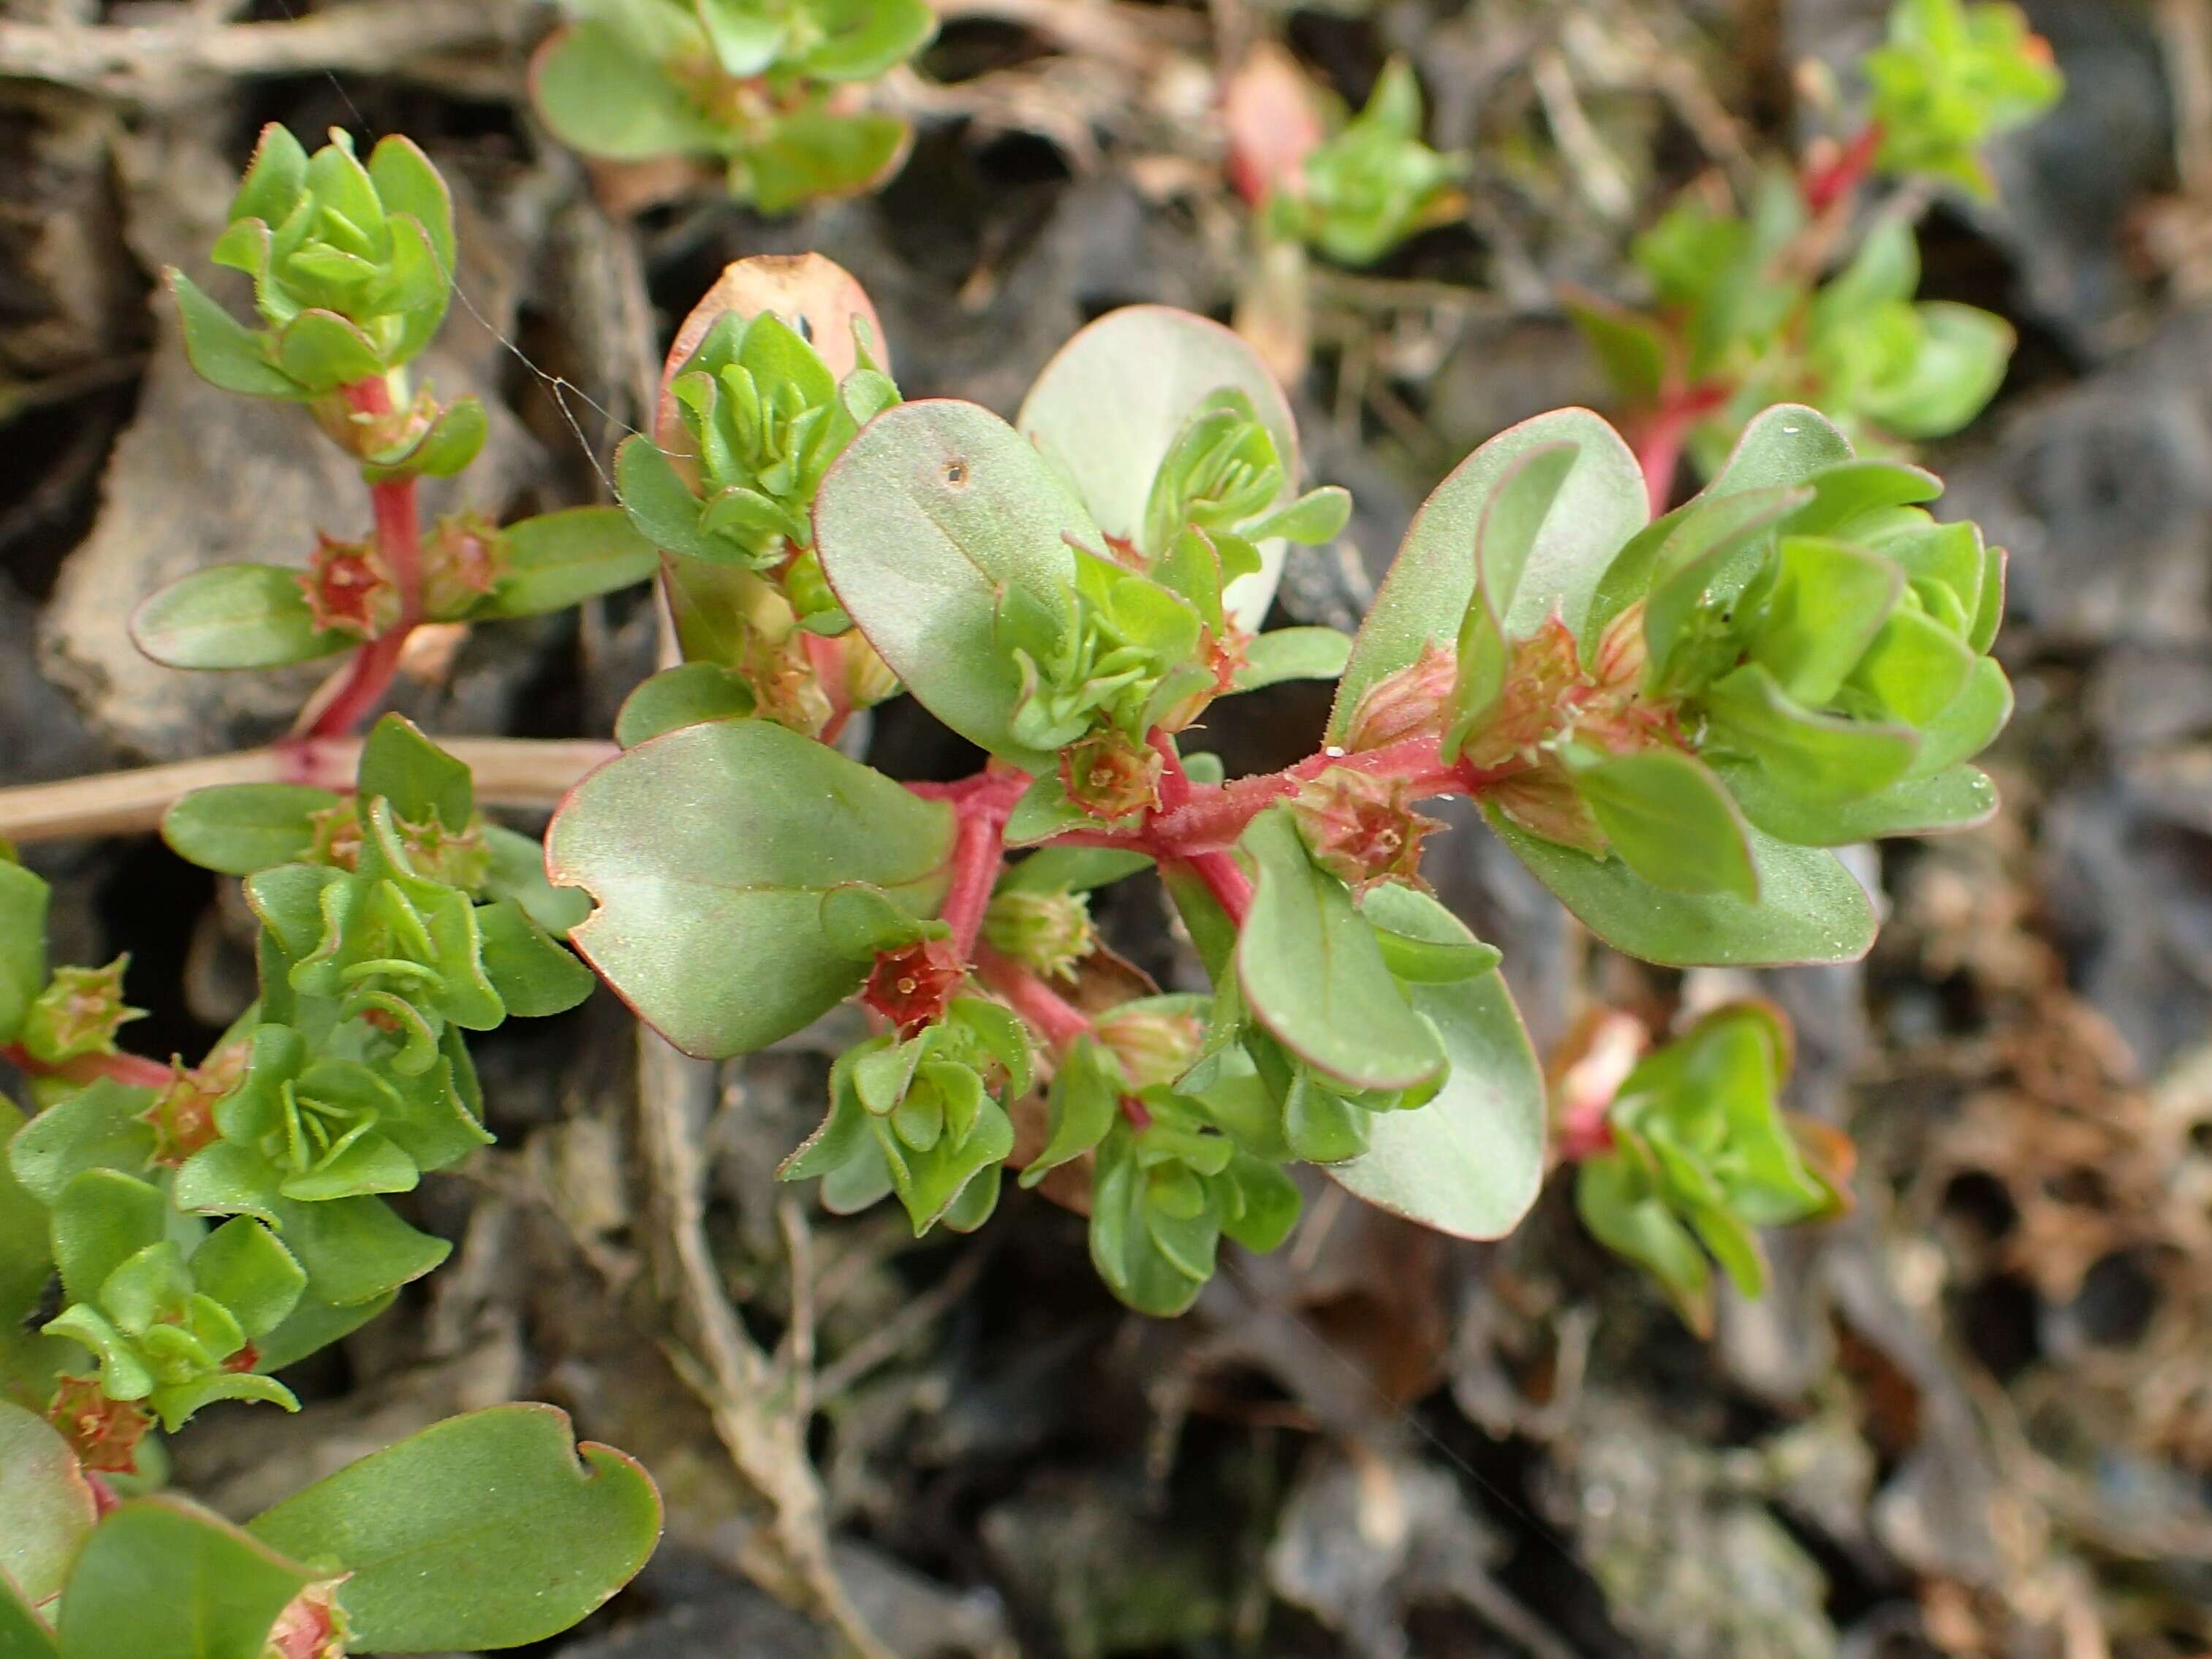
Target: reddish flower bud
1409,704
1544,801
1545,686
78,1014
1361,827
310,1627
349,588
463,558
1110,775
912,985
104,1433
183,1115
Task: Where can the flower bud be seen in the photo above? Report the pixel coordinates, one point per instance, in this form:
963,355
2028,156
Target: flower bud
349,588
1361,827
1110,775
1409,704
104,1433
1048,932
311,1627
1154,1046
1545,686
78,1014
463,558
182,1115
912,985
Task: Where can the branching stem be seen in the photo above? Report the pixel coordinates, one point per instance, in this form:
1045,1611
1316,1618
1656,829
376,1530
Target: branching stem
133,1069
399,540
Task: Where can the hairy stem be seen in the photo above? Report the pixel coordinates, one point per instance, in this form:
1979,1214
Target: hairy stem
1196,818
133,1069
1048,1013
509,772
399,540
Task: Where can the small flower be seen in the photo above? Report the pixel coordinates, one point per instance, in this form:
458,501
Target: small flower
104,1433
1545,685
312,1625
912,985
1049,932
1409,704
78,1014
349,588
1110,775
463,558
1154,1046
183,1114
1362,828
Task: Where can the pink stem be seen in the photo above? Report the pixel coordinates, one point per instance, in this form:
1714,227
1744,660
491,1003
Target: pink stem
1659,447
978,850
1839,178
1195,819
132,1069
399,539
1048,1013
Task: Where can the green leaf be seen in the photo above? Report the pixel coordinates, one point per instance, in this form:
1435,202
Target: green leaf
518,872
102,1218
323,351
99,1126
223,352
1085,1102
1471,1161
160,1578
1626,1219
407,182
23,901
242,1265
1830,599
48,1507
355,1249
1810,908
714,936
422,781
233,616
1818,757
431,1532
661,506
1511,520
237,829
1313,976
864,38
1631,350
312,1325
1969,724
936,509
1670,821
560,559
1112,402
23,1634
816,155
1957,798
1850,492
1425,598
602,98
687,694
1423,943
1293,653
1784,446
746,36
534,977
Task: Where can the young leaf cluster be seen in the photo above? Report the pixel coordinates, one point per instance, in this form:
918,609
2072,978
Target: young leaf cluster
771,92
1701,1155
1752,308
1374,182
353,267
215,1225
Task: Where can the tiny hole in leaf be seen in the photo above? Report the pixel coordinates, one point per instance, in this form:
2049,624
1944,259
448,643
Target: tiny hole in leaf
955,474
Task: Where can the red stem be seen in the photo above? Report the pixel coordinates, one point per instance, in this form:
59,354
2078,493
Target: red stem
1659,447
1838,178
984,802
399,539
133,1069
1196,818
1050,1015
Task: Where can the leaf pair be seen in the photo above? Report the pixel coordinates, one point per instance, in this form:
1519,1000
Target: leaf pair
1365,190
412,1549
